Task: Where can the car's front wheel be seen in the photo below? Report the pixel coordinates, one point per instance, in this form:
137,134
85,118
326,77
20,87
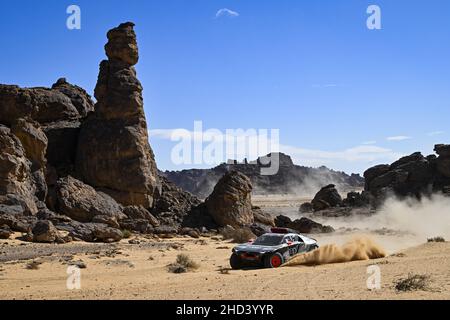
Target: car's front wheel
235,262
274,260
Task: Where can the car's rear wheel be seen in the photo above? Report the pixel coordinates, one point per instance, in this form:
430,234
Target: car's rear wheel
235,262
274,260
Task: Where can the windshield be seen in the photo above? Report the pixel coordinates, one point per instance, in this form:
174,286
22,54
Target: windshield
268,240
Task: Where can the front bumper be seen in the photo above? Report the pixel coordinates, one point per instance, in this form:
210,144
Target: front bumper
251,257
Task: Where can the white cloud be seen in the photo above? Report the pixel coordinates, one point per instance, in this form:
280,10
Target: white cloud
369,142
398,138
224,12
362,154
435,133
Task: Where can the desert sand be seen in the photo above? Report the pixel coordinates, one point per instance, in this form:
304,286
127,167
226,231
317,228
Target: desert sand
139,270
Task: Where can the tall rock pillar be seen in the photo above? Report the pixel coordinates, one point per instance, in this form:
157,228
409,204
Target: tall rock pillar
113,153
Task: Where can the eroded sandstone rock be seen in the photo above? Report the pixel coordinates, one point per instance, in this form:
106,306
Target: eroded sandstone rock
327,197
82,202
231,202
16,182
113,150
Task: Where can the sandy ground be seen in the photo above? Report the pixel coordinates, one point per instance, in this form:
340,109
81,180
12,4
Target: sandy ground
139,271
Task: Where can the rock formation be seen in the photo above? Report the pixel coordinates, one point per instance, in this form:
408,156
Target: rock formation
113,153
17,189
290,179
413,175
327,197
302,225
230,203
67,164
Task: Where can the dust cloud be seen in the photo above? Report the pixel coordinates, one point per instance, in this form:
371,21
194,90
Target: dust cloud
420,219
355,250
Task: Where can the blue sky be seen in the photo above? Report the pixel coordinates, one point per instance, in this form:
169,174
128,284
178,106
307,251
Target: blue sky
341,95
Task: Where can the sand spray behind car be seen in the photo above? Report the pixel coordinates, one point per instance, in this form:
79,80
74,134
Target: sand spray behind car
361,248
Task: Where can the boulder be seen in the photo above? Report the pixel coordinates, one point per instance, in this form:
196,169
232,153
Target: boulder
34,142
110,221
374,172
33,139
443,161
262,217
45,232
357,200
306,207
19,224
5,232
107,234
82,202
258,229
282,221
140,213
113,149
80,99
136,225
231,203
327,197
15,172
305,225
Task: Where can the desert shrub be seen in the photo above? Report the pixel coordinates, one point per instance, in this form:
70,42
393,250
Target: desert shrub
413,282
126,234
240,235
177,268
436,239
224,270
183,264
33,265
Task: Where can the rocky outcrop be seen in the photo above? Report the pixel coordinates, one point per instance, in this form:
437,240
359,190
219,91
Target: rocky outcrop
231,203
16,179
413,175
34,142
263,217
45,231
302,225
290,178
113,150
177,208
48,136
327,197
83,203
5,232
443,162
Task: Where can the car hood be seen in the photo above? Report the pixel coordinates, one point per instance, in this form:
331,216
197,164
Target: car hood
256,249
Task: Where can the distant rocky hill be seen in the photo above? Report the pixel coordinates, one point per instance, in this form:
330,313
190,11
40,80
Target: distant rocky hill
290,179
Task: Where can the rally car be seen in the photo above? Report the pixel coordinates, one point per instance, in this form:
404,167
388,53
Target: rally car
271,250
